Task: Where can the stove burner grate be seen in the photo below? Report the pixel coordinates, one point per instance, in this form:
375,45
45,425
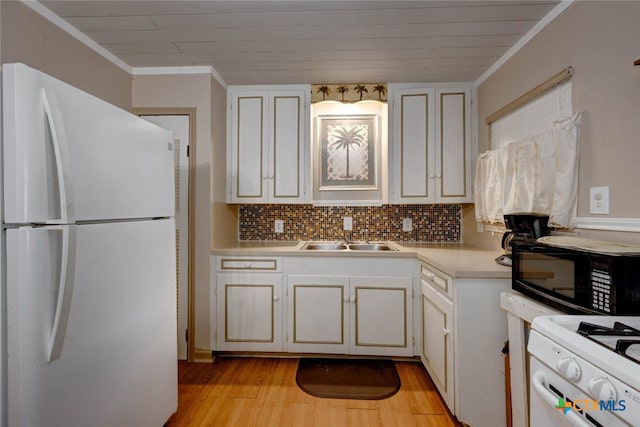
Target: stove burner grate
619,329
591,330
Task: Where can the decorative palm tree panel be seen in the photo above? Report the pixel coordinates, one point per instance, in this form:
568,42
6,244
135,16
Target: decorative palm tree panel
349,92
348,152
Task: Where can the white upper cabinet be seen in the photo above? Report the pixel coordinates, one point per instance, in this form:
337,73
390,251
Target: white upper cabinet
413,145
431,145
267,144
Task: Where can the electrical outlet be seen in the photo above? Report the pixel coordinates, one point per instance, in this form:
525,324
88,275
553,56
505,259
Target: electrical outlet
407,224
279,226
347,223
599,200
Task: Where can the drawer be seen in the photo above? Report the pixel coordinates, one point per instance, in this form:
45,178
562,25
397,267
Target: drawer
270,264
437,279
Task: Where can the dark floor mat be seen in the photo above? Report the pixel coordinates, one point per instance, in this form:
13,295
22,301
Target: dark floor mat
348,378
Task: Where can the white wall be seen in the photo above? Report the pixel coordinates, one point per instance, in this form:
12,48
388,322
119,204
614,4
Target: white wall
31,39
189,91
600,40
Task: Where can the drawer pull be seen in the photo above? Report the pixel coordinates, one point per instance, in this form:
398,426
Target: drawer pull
445,332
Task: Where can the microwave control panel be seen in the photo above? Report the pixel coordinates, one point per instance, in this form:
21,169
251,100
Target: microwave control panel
601,290
601,286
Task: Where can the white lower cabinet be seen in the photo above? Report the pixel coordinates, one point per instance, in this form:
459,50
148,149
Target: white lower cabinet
463,333
437,340
381,316
274,304
249,312
350,315
318,314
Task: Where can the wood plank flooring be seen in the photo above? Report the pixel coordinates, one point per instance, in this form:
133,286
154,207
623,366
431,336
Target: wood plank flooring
263,392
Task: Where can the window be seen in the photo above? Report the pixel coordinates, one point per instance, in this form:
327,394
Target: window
534,117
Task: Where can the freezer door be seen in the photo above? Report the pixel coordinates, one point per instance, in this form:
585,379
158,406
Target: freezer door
69,156
91,315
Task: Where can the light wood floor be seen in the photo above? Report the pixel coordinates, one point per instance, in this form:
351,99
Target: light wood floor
263,392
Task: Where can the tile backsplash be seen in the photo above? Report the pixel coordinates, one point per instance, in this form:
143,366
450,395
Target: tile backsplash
431,223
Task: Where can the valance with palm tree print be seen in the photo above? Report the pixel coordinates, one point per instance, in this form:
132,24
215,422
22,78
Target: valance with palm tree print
349,92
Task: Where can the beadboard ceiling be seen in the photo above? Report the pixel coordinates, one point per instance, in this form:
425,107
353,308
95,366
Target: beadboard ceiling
288,42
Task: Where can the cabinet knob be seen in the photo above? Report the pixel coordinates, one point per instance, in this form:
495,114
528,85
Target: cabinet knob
353,299
346,298
276,297
247,265
431,176
445,332
438,176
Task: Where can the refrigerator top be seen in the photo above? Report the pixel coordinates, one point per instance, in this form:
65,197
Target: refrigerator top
71,157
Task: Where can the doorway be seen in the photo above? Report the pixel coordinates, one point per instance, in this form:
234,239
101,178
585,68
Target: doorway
181,123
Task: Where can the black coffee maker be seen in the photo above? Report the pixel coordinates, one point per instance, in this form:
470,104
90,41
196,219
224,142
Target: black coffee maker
523,225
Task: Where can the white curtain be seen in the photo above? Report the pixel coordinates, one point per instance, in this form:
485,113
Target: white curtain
537,174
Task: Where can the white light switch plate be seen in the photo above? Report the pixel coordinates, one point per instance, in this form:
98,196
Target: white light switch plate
407,224
347,223
279,226
599,200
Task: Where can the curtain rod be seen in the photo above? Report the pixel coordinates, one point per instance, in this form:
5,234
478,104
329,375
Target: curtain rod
561,77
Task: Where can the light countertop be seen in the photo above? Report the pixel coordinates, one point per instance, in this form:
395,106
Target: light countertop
462,261
456,260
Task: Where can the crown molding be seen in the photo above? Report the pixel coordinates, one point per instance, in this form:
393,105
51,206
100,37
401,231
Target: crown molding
546,20
167,71
42,10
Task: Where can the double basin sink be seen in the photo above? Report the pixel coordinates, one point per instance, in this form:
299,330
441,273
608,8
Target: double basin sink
347,246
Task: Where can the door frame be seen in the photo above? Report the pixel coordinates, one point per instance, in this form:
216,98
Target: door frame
191,113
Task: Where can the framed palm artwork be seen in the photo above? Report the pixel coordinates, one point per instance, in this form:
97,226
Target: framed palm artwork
348,150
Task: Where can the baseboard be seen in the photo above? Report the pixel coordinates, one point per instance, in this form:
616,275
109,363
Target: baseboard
285,355
203,355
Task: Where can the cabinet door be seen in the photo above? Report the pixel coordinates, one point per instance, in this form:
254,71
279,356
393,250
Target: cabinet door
288,137
453,147
381,316
437,341
267,138
248,147
318,314
414,162
249,312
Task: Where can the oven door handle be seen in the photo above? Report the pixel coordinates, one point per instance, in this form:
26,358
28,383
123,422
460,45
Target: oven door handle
539,381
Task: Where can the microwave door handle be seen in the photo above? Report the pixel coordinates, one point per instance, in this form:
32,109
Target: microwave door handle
539,382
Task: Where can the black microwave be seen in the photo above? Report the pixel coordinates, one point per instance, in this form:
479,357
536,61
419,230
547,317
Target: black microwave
577,281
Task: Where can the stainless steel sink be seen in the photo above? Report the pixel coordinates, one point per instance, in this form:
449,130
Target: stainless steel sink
370,247
341,246
326,246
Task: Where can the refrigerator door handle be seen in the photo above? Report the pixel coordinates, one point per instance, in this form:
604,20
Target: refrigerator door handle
61,152
65,291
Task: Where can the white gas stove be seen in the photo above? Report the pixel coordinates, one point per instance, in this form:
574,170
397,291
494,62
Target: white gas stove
585,371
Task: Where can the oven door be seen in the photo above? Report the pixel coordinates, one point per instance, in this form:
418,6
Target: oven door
558,277
548,393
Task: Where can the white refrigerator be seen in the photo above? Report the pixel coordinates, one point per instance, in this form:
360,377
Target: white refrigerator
88,260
